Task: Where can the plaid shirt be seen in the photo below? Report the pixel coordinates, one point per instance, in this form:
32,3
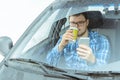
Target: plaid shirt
99,45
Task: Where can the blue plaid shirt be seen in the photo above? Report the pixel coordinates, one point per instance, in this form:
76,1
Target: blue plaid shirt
99,45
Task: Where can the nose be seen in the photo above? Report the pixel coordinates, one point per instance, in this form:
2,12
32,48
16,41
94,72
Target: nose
76,25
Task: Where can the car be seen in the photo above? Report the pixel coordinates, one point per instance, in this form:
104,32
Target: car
26,60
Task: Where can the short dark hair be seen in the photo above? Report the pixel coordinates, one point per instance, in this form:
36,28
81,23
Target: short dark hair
84,14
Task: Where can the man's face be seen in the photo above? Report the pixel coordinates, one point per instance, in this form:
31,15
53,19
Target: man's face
80,22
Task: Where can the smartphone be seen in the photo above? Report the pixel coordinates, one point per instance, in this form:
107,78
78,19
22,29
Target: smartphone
84,41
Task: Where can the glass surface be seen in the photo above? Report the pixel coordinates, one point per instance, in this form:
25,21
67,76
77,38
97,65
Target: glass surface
43,36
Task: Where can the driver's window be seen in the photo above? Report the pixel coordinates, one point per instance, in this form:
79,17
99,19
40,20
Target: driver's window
42,33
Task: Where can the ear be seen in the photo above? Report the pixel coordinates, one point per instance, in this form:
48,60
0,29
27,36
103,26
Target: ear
87,22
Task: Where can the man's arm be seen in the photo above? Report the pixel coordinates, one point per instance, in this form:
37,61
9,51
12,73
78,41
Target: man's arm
103,51
54,55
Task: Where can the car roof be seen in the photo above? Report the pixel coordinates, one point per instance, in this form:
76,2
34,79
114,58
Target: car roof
89,1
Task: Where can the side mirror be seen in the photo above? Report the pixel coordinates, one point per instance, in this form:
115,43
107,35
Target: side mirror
5,45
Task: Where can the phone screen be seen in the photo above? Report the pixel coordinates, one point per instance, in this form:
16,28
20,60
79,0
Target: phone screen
84,41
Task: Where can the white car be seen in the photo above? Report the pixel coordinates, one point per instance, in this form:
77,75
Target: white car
26,60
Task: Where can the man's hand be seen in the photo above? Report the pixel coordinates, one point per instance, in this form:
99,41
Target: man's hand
65,39
86,53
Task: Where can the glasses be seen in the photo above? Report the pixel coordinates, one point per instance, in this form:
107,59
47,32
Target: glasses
80,23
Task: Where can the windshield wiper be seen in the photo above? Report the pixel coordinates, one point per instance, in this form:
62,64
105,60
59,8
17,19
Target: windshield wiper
46,70
23,63
51,71
104,75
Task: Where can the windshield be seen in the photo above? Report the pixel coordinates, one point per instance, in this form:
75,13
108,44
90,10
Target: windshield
45,35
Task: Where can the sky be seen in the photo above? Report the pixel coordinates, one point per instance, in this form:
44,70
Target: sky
17,15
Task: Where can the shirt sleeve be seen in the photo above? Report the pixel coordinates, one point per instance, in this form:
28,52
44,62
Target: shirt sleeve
54,55
102,51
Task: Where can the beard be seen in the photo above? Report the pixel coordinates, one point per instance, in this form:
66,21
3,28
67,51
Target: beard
82,34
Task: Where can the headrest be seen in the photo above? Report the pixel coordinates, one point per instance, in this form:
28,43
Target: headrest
95,19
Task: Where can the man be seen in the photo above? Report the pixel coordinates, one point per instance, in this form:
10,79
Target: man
79,56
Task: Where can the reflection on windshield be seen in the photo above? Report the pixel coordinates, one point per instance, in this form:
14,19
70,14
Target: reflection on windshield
42,33
1,56
76,54
49,43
